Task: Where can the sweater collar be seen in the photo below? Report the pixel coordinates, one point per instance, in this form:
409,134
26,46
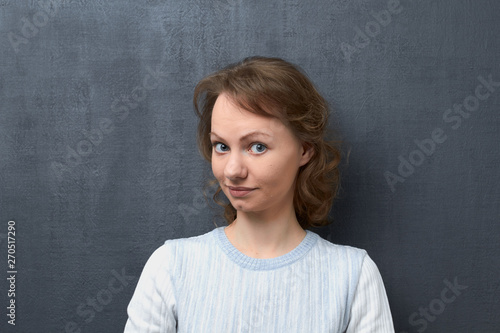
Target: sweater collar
264,264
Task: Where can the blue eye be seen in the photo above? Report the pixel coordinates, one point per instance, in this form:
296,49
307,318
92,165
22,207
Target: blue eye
220,147
258,148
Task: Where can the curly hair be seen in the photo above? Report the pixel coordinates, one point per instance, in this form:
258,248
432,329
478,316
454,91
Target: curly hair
276,88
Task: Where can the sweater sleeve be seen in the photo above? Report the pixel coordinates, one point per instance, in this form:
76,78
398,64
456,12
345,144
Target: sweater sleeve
370,312
152,308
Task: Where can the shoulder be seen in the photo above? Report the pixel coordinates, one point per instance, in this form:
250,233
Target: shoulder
356,276
195,243
354,261
341,253
176,250
346,263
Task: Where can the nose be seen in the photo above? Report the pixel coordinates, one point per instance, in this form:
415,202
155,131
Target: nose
235,167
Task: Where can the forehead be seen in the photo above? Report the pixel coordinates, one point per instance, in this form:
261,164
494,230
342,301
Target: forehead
228,116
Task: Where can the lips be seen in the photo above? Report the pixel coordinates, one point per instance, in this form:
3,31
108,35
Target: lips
238,191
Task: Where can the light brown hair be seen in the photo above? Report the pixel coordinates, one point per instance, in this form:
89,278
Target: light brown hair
276,88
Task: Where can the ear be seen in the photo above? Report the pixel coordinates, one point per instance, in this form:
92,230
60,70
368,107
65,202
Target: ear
307,154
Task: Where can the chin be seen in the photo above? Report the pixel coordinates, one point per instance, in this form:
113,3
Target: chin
246,208
240,207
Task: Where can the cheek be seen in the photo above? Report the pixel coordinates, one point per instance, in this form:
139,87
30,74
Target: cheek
216,168
279,174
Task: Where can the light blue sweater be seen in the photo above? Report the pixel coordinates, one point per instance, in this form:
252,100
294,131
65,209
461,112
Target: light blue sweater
204,284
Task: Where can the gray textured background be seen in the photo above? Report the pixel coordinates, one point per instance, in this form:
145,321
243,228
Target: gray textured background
99,164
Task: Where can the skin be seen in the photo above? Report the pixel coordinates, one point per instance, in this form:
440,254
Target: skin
261,154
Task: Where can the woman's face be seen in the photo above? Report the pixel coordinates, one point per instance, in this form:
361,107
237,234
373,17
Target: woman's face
254,158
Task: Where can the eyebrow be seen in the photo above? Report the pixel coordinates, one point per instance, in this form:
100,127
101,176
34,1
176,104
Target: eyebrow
244,137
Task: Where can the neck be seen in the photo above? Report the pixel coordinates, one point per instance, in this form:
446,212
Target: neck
265,237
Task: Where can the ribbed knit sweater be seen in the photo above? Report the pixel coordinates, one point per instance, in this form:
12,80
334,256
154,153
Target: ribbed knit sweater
204,284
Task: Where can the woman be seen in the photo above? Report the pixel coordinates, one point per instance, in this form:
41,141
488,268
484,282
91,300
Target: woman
262,126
